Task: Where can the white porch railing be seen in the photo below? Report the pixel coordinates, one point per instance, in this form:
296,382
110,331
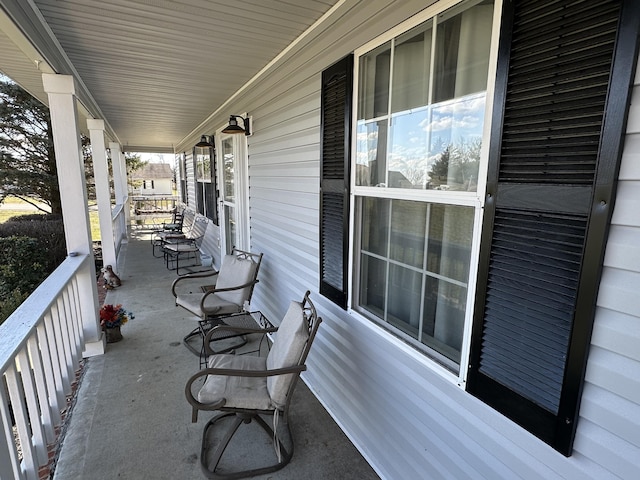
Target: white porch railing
118,219
41,347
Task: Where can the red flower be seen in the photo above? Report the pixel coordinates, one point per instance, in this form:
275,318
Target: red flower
113,316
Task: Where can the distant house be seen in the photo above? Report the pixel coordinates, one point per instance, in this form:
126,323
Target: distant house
152,179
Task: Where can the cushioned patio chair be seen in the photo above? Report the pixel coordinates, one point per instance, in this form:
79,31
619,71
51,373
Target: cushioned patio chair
181,228
246,388
175,248
227,291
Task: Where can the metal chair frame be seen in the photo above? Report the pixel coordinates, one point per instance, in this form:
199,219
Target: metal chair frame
282,437
208,321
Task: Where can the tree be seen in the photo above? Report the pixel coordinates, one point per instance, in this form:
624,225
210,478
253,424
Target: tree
458,164
27,157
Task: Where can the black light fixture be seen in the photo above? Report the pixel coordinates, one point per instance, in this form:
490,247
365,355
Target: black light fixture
205,141
233,126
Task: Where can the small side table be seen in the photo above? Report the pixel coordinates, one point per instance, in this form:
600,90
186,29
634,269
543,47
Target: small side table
247,320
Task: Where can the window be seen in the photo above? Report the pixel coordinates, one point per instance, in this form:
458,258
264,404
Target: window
206,192
420,118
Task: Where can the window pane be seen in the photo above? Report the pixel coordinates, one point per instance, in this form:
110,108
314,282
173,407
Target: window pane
449,244
371,153
408,227
408,155
203,165
230,215
373,280
227,170
405,291
455,130
375,225
411,64
373,92
462,53
444,311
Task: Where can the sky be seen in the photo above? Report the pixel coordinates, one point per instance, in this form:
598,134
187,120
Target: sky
157,157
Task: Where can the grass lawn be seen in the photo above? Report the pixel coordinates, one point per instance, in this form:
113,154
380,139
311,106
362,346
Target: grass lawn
7,212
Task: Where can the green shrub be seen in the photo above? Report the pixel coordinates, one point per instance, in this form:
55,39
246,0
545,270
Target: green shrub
23,264
47,230
9,303
31,247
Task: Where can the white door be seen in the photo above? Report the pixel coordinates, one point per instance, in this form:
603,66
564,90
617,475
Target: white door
233,205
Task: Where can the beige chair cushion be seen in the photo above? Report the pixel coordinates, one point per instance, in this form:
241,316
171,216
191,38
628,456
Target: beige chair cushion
287,348
235,272
213,305
239,392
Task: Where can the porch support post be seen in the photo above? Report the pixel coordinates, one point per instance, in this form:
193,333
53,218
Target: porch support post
101,174
118,164
73,195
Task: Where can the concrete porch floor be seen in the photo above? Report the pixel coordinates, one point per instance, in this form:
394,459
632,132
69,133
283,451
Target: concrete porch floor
131,419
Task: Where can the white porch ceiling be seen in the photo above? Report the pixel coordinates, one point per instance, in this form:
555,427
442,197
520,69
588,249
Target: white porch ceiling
152,69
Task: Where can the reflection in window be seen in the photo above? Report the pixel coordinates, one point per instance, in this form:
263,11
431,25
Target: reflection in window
431,108
227,172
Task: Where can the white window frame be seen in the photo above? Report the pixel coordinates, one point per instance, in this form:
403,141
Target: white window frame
241,169
471,199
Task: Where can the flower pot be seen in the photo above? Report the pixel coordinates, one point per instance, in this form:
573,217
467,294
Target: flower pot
113,334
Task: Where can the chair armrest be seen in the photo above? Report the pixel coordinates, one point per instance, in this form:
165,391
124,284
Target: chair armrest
225,289
230,373
236,330
190,276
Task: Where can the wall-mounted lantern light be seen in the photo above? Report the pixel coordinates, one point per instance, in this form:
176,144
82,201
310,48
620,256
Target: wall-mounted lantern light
233,126
205,141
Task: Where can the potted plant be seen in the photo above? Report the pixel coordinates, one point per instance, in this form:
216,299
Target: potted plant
112,317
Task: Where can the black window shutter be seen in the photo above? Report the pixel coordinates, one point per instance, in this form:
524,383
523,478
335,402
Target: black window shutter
210,188
565,70
183,177
335,159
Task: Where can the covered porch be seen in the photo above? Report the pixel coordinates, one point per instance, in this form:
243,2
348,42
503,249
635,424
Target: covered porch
130,417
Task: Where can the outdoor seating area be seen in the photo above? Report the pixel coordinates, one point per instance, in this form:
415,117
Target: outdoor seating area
131,417
212,296
180,240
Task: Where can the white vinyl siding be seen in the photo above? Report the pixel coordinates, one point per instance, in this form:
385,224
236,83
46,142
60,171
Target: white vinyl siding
406,417
611,399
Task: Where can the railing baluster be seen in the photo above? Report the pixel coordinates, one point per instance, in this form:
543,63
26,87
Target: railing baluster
33,410
16,395
49,373
9,464
66,343
74,348
58,326
42,394
54,353
77,315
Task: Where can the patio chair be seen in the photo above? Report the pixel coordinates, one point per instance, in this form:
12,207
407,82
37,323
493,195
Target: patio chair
177,219
244,388
226,293
182,226
175,248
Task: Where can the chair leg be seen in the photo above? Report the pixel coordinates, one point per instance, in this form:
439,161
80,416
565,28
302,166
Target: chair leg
196,332
200,331
209,468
